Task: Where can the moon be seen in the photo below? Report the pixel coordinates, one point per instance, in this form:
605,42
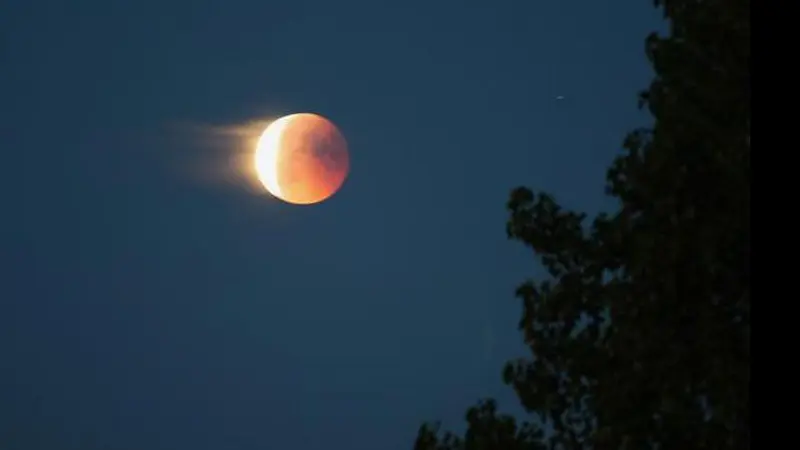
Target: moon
302,158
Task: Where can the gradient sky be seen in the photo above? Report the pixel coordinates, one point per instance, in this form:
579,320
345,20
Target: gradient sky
149,303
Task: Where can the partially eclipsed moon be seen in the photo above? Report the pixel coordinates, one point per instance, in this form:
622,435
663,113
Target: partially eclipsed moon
302,158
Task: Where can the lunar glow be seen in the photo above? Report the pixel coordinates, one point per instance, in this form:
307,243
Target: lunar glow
302,159
267,151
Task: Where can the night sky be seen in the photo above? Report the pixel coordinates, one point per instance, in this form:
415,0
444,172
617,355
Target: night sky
150,299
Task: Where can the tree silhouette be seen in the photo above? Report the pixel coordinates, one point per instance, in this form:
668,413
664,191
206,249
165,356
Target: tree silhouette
641,336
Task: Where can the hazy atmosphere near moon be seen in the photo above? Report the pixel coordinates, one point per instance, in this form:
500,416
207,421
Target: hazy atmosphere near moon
154,296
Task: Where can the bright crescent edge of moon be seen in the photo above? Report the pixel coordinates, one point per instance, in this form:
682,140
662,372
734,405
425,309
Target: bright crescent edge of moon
266,155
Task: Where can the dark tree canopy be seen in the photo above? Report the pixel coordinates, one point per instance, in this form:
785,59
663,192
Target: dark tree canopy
641,336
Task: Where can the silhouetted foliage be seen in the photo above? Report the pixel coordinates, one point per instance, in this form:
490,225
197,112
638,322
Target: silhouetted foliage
641,338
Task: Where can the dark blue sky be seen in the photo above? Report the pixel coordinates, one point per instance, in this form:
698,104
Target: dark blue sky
147,305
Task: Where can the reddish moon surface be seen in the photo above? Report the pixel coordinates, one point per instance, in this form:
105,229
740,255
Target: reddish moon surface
311,160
